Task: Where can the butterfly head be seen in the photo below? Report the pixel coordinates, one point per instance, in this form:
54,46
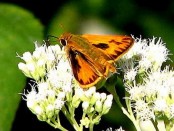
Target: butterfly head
64,38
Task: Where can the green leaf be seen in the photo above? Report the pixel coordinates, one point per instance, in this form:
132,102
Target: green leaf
18,31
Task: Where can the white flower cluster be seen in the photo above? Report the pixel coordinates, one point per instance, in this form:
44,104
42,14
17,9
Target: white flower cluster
42,60
51,72
149,85
94,103
56,90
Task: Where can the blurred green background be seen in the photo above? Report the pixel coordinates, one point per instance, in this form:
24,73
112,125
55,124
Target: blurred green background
24,21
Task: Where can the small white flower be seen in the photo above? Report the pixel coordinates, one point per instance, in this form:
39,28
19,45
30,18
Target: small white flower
136,91
75,101
137,48
109,97
58,79
31,68
160,105
98,106
23,67
61,95
79,93
86,95
164,92
56,50
85,122
94,98
51,95
39,51
59,104
103,96
85,105
143,111
27,57
39,110
31,100
130,74
155,54
42,87
90,91
50,111
107,104
40,63
145,63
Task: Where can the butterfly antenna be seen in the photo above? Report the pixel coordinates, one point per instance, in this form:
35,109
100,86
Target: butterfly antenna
48,41
51,36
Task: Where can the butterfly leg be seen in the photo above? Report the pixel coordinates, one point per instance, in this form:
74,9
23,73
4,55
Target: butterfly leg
109,68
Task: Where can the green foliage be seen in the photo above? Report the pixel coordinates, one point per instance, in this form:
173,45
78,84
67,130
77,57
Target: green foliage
18,31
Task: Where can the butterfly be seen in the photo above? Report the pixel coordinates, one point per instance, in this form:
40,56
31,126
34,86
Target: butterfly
92,57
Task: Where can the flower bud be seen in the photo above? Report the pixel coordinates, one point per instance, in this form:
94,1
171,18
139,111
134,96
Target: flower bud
85,106
50,111
27,57
98,106
85,122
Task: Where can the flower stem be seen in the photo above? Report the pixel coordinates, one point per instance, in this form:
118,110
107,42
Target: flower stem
56,124
111,88
71,119
91,126
155,124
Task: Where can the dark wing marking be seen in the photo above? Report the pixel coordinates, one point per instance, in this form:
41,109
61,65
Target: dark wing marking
83,69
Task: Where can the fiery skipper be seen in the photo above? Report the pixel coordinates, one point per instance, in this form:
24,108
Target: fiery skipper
92,57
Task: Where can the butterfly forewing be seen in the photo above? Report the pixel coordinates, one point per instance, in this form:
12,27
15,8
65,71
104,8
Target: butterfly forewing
114,46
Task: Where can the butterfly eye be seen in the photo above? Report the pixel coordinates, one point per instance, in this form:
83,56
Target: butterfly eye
63,42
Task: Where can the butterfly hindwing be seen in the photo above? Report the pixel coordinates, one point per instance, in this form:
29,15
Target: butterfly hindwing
83,69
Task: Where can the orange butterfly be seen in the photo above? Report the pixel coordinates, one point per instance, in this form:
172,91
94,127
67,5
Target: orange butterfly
92,57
